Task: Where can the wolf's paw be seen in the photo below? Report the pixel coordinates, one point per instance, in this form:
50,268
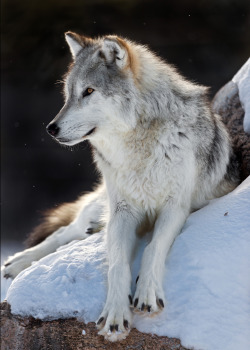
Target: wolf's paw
114,322
17,263
93,227
148,298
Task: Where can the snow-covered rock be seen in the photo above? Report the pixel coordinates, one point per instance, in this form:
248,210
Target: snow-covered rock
228,105
242,79
207,280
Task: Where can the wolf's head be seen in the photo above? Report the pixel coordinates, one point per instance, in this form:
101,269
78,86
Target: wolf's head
100,89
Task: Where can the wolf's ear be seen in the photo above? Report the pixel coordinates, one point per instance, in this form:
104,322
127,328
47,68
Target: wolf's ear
76,42
114,51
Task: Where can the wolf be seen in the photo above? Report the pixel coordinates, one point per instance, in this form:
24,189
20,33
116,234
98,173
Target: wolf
161,152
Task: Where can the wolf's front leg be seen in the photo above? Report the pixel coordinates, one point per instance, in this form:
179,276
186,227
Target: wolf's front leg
149,296
115,319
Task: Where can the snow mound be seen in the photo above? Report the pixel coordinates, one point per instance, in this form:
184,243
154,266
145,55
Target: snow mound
68,283
242,79
207,281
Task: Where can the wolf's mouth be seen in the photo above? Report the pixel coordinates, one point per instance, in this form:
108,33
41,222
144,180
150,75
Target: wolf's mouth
61,139
90,132
72,142
67,142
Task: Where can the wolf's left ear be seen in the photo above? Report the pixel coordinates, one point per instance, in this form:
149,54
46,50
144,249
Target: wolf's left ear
114,51
76,42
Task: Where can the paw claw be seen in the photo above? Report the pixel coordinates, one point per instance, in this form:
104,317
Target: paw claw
136,302
89,231
100,320
126,325
161,302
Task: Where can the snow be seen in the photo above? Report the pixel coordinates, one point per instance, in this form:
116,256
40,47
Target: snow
68,283
242,79
207,280
8,248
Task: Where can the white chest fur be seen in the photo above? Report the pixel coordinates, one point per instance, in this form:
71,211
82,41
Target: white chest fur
145,170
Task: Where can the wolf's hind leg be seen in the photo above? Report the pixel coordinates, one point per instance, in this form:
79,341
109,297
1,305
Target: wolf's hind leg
91,218
20,261
93,213
63,215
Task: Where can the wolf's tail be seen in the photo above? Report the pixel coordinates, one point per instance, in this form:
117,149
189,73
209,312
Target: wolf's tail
53,219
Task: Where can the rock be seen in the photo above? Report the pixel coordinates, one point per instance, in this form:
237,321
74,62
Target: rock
18,333
227,103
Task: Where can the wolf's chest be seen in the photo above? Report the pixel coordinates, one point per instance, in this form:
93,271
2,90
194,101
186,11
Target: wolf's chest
146,190
145,174
144,182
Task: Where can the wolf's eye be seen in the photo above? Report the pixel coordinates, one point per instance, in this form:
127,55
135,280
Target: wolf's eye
87,92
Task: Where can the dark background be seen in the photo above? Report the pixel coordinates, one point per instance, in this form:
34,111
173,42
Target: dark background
207,40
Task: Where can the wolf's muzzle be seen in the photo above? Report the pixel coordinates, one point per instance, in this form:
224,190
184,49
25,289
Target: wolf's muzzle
53,129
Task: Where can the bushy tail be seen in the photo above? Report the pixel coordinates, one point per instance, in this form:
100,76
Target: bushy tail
53,219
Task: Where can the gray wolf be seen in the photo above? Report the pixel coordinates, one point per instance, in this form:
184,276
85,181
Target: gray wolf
161,152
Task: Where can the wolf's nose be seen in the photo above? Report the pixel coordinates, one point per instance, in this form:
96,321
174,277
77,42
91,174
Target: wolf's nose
53,129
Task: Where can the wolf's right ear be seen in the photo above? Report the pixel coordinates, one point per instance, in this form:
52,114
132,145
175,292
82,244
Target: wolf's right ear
114,50
76,42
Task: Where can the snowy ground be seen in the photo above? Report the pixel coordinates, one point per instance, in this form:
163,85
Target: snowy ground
7,248
207,280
